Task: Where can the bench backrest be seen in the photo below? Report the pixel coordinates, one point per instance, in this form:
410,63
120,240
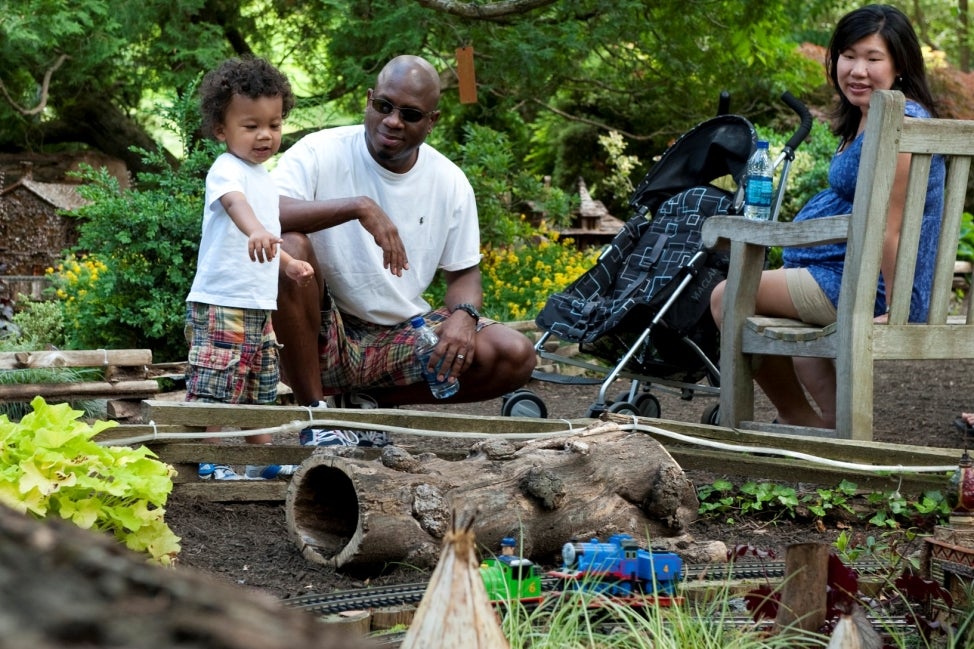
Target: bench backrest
888,134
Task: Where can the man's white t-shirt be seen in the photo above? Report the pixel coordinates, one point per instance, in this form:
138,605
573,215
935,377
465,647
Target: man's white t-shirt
225,275
432,205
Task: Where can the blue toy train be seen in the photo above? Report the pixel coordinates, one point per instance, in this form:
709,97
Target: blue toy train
618,568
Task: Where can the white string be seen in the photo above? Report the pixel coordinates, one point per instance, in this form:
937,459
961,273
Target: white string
296,426
105,354
765,450
155,430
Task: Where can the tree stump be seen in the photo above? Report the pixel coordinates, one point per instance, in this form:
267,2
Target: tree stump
364,515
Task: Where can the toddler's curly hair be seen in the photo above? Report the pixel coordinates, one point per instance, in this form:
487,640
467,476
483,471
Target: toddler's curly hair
251,77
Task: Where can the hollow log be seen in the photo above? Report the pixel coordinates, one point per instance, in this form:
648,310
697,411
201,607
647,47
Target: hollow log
362,515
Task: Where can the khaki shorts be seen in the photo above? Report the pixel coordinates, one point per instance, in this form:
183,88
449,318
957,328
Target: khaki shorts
811,302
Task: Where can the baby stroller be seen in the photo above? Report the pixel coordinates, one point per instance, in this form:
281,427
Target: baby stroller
645,305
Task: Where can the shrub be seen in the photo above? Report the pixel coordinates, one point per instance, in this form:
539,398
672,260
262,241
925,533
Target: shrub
130,290
504,193
41,323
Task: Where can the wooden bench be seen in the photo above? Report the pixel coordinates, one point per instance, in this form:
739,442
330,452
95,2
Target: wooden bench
854,342
123,377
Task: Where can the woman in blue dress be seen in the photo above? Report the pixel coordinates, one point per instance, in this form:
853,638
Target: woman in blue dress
872,48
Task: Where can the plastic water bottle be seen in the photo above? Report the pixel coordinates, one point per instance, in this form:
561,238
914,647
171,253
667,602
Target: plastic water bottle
425,344
759,184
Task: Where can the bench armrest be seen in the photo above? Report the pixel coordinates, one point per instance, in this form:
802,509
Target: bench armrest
721,229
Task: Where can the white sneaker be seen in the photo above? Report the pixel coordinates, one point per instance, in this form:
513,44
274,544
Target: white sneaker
269,471
323,437
208,471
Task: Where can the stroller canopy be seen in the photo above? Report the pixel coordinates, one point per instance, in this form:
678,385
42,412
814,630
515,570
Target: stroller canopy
715,148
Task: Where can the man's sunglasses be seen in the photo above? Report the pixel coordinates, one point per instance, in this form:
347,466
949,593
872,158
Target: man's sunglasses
384,107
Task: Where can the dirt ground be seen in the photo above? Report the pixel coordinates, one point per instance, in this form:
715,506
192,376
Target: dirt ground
248,544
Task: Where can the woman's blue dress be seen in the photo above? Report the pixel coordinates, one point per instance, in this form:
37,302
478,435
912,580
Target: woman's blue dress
825,262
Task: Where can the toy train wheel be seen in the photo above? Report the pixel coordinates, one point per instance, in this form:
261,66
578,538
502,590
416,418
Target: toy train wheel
711,415
648,405
523,403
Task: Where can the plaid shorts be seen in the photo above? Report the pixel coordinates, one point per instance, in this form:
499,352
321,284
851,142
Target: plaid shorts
233,355
359,355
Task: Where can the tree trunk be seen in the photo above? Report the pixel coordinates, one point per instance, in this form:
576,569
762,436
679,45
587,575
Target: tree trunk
362,515
64,586
105,128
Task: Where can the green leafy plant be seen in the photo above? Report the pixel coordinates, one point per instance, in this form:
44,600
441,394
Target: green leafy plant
823,501
965,246
752,498
41,322
50,465
888,509
504,192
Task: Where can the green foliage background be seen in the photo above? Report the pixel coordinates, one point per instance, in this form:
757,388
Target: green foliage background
552,80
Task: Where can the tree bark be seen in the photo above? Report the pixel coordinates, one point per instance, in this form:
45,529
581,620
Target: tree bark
61,585
360,516
803,597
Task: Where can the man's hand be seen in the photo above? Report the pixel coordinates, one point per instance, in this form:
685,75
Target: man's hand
457,345
386,235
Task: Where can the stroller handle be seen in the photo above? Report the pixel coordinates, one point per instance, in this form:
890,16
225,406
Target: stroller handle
806,120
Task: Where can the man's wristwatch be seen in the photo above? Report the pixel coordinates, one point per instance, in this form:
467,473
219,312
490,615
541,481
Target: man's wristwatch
469,308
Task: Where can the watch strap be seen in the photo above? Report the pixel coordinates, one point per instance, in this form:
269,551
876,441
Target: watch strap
469,308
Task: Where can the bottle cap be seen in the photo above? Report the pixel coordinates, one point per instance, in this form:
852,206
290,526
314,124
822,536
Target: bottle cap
417,321
762,144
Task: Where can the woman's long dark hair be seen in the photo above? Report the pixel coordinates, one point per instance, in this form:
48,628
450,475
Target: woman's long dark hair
903,45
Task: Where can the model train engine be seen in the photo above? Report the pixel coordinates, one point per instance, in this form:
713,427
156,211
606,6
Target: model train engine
509,577
618,567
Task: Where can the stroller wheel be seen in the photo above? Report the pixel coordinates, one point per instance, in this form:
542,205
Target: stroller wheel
624,408
523,403
648,405
711,415
595,410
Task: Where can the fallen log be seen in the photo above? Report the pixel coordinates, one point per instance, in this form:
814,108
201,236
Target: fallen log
62,586
364,515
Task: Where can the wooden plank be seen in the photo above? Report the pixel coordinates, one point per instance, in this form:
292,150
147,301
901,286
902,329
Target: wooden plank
239,454
248,416
877,453
789,471
74,358
82,390
126,431
235,490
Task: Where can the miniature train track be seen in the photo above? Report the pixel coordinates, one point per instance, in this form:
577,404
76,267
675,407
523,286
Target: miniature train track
405,594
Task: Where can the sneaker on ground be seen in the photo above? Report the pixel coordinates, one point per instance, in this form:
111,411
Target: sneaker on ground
373,438
209,471
323,437
270,471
